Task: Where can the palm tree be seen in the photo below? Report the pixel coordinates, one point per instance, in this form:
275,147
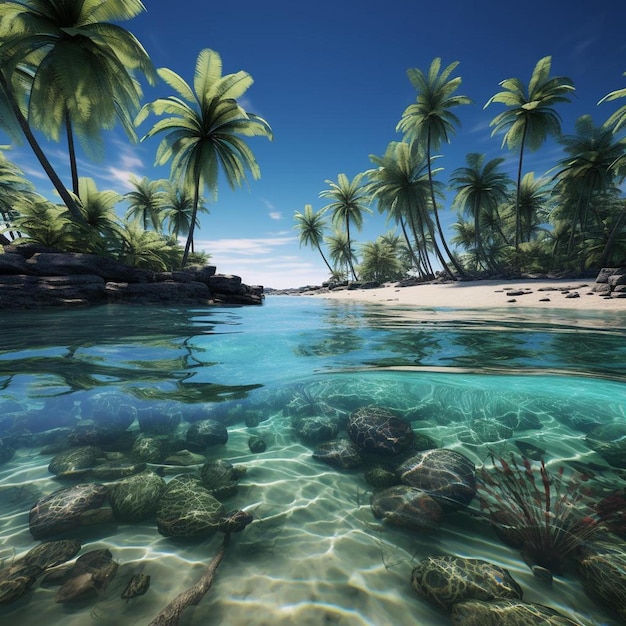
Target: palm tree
341,253
15,192
531,117
480,189
147,249
146,202
311,226
401,188
100,226
586,173
430,122
12,118
347,206
80,67
203,128
618,119
178,211
379,262
533,209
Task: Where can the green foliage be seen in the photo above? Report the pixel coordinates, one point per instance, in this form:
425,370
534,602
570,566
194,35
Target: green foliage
204,129
380,262
312,226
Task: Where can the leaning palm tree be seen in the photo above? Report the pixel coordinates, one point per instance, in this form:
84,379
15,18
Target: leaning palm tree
311,226
530,117
341,254
480,189
80,64
203,130
146,202
379,262
347,206
429,121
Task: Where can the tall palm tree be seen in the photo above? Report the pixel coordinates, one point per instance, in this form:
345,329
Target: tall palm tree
347,206
401,187
341,252
146,202
480,189
530,117
430,122
81,67
533,205
203,130
311,226
13,121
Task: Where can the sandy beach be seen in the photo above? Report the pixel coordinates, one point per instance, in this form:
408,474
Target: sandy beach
535,293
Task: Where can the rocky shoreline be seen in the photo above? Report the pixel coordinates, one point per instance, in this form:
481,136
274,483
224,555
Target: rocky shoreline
35,277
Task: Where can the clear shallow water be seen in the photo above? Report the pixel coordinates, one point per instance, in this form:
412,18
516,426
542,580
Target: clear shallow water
315,553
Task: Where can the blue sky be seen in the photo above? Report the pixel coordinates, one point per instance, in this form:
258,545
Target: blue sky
330,78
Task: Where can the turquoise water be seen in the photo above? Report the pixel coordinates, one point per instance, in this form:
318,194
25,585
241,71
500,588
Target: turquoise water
314,553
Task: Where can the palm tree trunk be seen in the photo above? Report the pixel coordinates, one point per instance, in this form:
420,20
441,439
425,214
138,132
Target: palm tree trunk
41,157
518,215
418,265
459,269
192,226
72,153
350,249
330,269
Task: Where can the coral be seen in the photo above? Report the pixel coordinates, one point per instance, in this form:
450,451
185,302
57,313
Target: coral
543,515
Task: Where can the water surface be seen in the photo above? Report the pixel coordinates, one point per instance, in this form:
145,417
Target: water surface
314,553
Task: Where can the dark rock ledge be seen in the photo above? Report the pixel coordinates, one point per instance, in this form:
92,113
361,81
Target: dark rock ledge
33,277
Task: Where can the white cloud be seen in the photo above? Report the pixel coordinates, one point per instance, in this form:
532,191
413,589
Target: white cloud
247,247
275,215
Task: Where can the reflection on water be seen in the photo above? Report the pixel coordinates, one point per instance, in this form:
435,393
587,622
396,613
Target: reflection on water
132,385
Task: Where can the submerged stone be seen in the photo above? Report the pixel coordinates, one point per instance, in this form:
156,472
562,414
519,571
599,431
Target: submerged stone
136,498
375,429
447,580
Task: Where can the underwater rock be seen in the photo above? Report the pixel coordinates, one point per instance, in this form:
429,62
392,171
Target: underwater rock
602,566
609,441
17,579
66,509
446,475
74,462
205,433
234,521
92,572
612,512
109,408
380,477
136,498
187,509
220,477
150,449
341,454
315,429
375,429
447,580
256,445
137,586
506,613
407,507
159,419
92,434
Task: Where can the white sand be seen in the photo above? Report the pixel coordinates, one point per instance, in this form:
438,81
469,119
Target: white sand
548,294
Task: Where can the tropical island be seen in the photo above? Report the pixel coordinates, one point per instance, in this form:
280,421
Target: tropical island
569,221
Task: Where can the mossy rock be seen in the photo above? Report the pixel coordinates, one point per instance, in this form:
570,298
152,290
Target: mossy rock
136,498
